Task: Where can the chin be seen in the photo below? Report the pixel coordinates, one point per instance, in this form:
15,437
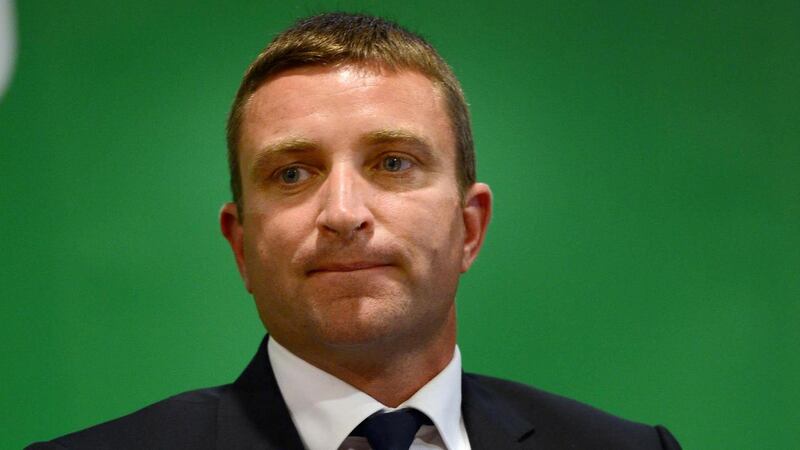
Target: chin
363,322
351,338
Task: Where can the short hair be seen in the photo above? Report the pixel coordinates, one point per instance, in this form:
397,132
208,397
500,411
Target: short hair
344,38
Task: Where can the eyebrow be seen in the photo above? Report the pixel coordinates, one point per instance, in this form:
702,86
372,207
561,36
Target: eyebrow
374,138
399,136
285,146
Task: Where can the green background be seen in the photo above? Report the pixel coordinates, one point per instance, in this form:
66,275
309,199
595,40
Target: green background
644,255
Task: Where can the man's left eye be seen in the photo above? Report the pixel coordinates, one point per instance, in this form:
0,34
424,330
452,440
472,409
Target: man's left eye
395,163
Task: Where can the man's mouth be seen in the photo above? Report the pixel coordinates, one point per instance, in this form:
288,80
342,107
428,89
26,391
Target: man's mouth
342,267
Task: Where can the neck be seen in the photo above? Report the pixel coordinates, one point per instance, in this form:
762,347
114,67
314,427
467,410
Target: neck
388,372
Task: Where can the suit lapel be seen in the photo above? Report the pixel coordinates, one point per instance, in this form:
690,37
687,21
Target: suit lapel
252,413
490,422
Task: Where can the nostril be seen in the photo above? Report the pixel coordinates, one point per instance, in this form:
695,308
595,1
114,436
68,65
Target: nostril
344,228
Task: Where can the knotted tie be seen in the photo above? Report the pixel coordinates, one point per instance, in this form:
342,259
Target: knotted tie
393,430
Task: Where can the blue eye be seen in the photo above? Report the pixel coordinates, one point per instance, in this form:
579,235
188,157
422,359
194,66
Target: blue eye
395,163
294,175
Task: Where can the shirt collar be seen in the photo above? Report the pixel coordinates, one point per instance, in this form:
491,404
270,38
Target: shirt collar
325,409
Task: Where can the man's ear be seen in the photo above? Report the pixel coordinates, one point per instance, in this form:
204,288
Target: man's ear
234,232
477,213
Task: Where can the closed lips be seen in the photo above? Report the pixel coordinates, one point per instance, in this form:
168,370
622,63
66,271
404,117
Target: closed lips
347,267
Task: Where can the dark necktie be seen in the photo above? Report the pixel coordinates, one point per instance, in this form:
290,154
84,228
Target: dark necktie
392,431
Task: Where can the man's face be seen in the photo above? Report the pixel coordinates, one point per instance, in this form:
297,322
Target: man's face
354,230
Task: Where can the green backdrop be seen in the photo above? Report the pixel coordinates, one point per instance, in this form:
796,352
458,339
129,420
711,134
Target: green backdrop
644,255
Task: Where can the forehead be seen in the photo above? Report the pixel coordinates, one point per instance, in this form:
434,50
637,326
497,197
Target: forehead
336,105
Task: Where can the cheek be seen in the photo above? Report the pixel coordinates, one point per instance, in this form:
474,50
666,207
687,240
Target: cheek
271,241
431,227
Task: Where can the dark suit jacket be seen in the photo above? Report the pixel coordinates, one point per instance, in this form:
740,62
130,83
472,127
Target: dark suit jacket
251,414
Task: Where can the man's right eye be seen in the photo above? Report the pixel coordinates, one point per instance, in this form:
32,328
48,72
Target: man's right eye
294,175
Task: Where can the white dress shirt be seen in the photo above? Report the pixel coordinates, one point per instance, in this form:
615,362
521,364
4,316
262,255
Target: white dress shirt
325,409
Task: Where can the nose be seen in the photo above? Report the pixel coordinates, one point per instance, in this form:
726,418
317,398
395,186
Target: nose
344,212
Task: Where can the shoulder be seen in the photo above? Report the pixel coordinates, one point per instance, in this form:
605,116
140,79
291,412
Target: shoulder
541,405
565,423
186,420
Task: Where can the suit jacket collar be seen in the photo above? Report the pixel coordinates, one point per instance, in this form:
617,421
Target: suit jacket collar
252,414
490,422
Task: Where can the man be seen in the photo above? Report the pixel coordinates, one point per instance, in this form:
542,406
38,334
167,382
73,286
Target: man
355,212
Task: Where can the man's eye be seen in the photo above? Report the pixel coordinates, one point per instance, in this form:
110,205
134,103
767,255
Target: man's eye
395,163
294,175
